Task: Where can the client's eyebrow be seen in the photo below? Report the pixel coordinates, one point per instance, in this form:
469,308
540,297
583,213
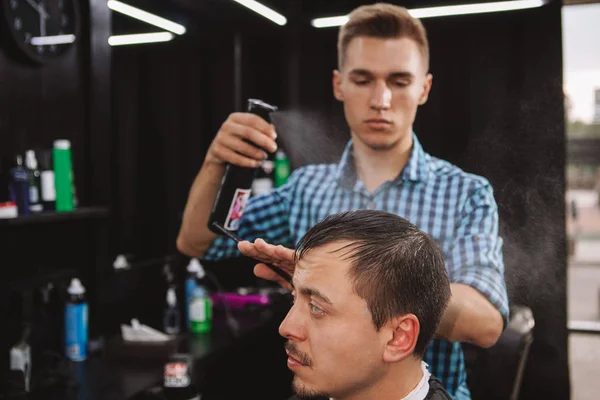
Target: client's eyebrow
310,292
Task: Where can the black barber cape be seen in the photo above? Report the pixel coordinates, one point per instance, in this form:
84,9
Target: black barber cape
436,390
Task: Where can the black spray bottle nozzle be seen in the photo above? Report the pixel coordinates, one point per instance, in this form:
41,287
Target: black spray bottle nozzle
260,108
236,239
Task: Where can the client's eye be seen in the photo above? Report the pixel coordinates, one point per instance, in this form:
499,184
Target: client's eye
316,310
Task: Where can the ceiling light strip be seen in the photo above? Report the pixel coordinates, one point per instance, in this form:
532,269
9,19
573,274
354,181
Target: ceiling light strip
443,11
264,11
146,17
140,38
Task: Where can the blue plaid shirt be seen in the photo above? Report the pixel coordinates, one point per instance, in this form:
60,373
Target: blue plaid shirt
457,209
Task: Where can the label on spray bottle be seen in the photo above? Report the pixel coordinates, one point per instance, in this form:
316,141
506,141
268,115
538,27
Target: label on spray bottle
236,209
76,322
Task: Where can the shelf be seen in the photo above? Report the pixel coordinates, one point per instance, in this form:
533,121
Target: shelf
82,213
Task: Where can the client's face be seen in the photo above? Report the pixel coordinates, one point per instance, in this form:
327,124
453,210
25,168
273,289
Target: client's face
333,347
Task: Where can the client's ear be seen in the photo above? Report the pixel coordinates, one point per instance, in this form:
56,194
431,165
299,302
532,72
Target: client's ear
404,334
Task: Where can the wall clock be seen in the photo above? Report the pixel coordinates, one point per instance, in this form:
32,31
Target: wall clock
42,29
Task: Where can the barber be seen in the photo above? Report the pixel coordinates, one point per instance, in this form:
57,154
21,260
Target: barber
382,78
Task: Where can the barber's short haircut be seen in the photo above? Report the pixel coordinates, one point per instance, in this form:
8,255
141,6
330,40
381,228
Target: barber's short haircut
395,267
383,21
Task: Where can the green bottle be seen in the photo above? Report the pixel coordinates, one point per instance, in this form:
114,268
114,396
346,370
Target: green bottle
282,168
200,311
63,175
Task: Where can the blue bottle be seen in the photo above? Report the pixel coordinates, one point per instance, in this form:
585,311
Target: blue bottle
190,285
76,322
19,185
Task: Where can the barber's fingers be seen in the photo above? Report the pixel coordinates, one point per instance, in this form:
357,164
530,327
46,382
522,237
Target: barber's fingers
243,140
249,249
264,272
262,251
225,154
254,121
243,148
250,127
281,255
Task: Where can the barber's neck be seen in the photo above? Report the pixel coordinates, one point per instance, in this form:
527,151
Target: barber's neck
376,166
398,381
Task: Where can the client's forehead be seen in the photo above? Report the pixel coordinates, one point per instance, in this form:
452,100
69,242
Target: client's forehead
326,269
326,264
335,253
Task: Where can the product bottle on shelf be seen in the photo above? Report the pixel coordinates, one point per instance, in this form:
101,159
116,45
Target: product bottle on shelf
193,268
200,306
172,318
19,185
263,180
35,201
282,168
8,206
63,175
48,189
76,322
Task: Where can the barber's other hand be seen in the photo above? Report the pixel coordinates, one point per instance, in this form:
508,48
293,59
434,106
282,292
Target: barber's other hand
232,144
278,256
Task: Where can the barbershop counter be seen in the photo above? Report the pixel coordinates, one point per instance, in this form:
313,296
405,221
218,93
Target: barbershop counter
249,364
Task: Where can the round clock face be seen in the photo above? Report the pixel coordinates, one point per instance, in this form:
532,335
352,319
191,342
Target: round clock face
43,29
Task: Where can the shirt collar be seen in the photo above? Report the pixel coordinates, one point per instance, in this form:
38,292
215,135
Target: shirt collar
416,169
422,389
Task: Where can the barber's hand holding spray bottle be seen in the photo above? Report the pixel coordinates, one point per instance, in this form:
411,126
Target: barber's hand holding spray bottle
239,144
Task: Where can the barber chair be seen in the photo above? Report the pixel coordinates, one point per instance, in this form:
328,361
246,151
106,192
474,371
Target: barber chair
496,373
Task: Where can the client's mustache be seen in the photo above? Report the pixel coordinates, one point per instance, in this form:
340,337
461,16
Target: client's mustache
292,349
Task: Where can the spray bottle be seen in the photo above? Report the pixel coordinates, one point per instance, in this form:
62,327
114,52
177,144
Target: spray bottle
193,268
76,322
200,306
236,184
172,319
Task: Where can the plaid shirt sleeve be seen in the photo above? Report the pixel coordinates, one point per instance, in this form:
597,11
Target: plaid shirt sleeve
266,216
476,254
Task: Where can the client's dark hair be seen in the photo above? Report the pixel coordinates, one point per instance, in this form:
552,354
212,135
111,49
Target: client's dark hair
396,268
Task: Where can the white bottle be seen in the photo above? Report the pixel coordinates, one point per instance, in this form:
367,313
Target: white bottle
172,319
35,200
200,313
263,182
